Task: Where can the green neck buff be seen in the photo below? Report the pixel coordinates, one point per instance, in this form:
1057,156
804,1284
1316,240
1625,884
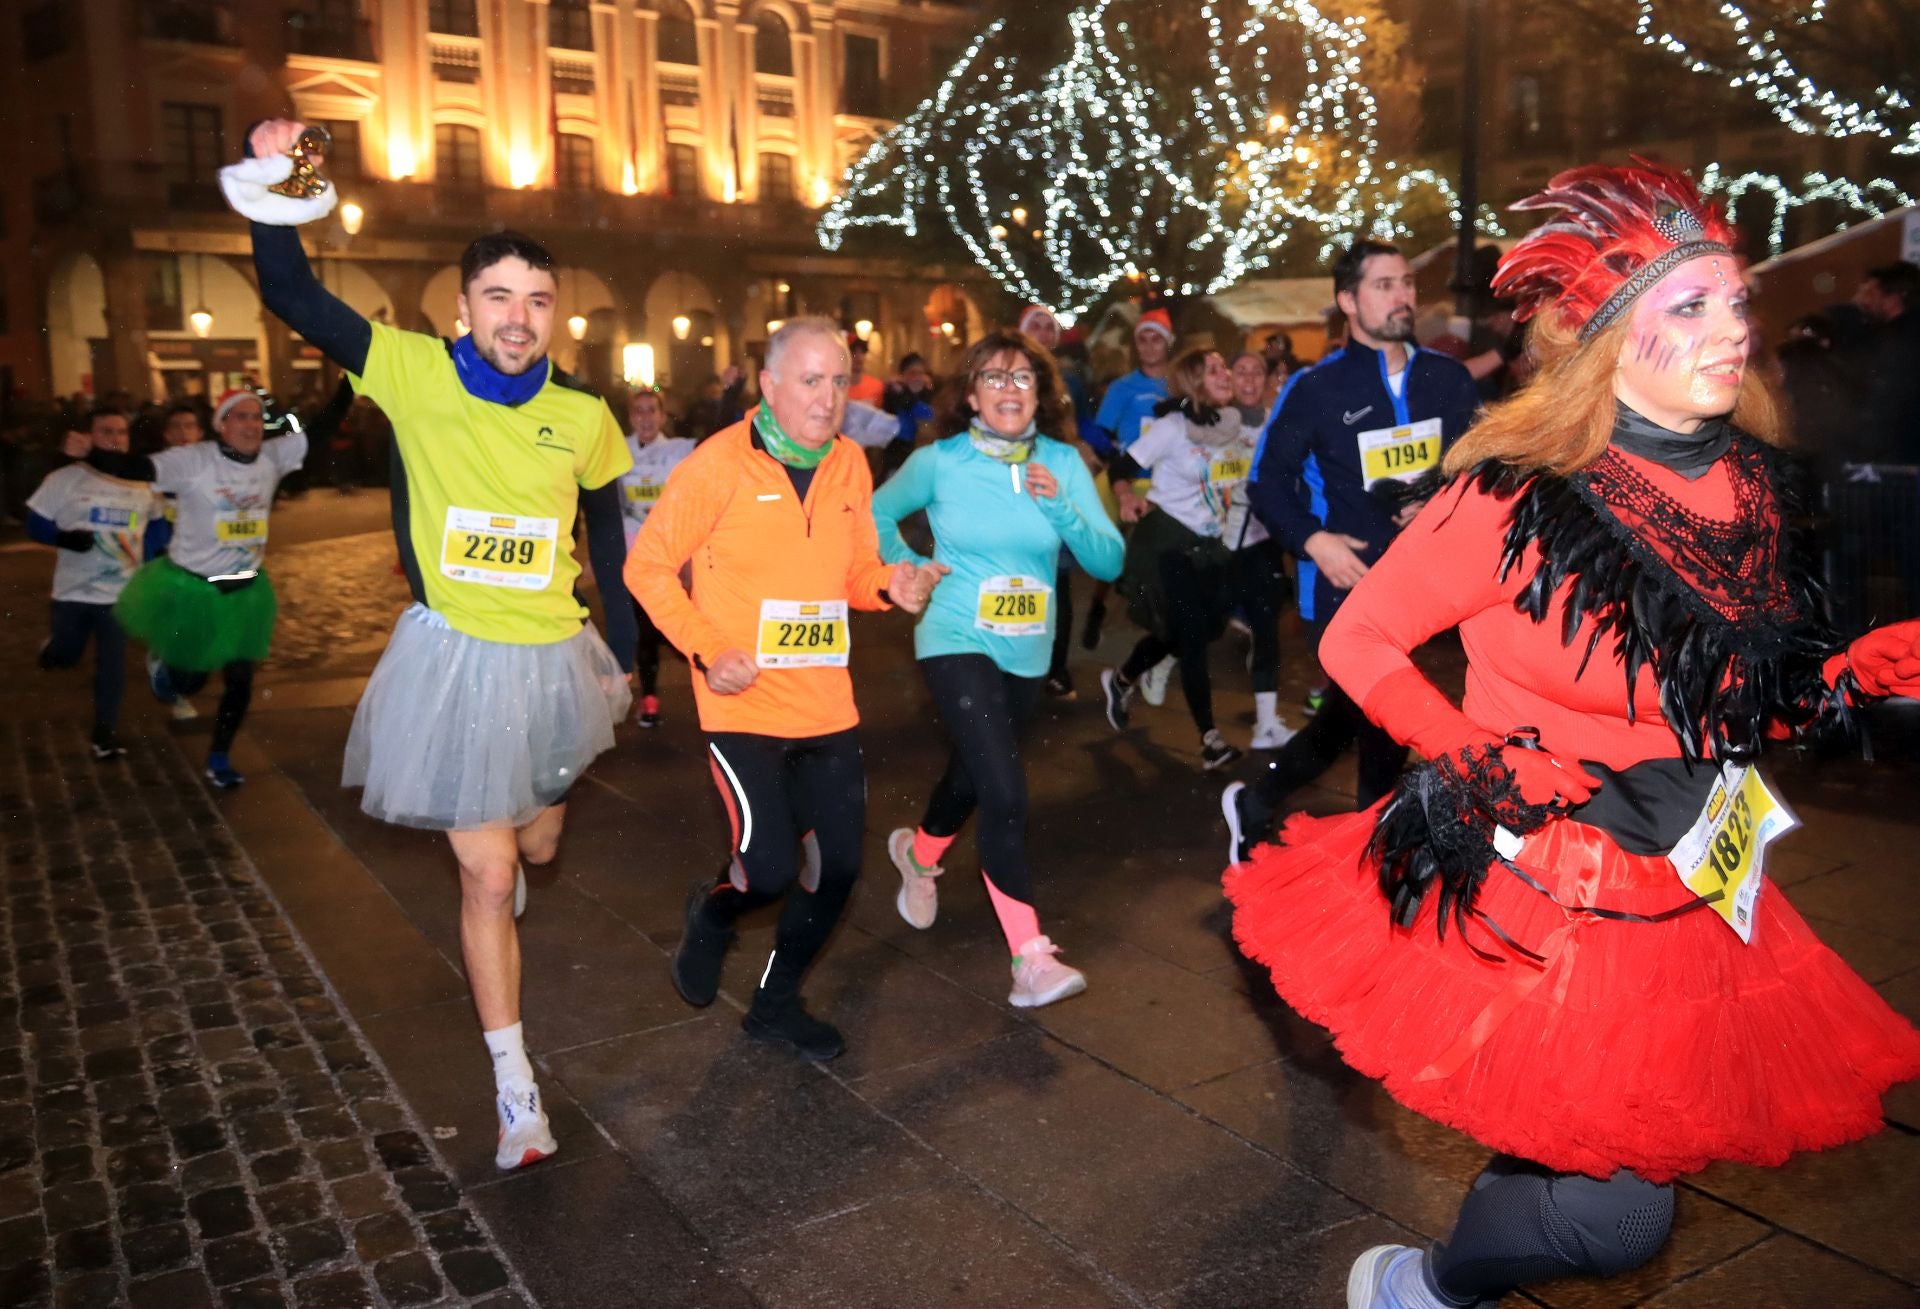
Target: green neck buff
997,445
783,447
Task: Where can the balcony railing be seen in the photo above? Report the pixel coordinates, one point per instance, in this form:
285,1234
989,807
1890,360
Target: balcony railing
330,40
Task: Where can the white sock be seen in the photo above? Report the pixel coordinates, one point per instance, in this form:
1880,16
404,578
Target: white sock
1266,708
509,1051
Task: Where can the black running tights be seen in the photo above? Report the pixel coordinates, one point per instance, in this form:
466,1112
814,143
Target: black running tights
984,710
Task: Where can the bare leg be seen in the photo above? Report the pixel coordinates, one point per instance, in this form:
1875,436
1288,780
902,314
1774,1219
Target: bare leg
488,942
539,840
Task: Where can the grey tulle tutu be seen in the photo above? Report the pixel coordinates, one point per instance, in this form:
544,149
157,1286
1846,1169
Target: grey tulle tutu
456,733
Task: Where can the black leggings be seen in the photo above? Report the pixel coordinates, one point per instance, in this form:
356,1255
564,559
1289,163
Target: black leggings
1062,622
1521,1224
236,693
1259,587
984,709
75,623
776,790
647,661
1194,598
1314,749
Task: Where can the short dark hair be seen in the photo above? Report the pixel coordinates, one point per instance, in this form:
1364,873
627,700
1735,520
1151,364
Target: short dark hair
1053,412
1900,280
489,250
1350,269
98,412
181,407
910,358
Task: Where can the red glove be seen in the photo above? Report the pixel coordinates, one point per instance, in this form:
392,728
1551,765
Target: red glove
1411,709
1886,661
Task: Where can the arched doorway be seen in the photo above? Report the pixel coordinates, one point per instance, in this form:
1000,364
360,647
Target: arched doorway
76,323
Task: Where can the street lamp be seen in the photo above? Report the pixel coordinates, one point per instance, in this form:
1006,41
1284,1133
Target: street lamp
577,327
682,327
351,216
863,329
202,317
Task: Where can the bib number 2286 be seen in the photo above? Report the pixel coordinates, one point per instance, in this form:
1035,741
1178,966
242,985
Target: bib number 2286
803,634
1013,606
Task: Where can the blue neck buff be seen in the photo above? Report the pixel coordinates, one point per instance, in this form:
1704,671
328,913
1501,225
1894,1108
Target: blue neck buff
485,382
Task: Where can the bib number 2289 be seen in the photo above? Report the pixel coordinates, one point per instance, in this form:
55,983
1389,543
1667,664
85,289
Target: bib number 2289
504,550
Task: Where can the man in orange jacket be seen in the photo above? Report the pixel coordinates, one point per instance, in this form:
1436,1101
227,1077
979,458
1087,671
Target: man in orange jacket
774,515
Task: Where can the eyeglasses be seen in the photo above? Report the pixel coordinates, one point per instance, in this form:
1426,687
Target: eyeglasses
999,379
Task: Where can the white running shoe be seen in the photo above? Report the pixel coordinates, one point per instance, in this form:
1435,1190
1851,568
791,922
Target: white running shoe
519,890
525,1137
1271,735
1390,1277
1153,682
919,899
182,710
1040,979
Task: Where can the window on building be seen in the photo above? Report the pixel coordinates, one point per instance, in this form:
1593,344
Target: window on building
343,161
45,30
456,152
570,24
453,17
860,90
772,47
573,163
679,38
683,171
193,145
776,179
209,22
327,27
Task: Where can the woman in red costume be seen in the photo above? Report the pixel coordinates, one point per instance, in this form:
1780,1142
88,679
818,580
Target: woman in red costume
1553,935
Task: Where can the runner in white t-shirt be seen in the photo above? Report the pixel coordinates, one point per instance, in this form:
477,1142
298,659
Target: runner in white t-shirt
654,457
101,528
209,605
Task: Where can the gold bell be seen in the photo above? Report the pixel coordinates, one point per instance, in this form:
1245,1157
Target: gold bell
306,180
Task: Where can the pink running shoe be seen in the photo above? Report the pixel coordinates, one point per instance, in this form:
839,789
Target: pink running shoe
919,899
1040,979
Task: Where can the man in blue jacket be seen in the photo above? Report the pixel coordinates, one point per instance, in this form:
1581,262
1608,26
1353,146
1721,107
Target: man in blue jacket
1367,425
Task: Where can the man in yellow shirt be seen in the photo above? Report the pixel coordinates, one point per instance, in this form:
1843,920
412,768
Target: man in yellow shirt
494,694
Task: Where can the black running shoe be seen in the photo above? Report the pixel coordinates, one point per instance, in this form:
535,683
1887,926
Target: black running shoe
1215,752
787,1022
1117,694
703,948
1060,687
105,746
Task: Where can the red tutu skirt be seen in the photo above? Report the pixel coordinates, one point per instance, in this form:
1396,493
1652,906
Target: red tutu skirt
1658,1047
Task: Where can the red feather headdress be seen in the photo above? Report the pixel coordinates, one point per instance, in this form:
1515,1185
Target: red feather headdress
1617,232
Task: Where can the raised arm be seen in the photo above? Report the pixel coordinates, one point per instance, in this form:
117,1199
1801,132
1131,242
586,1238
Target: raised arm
287,285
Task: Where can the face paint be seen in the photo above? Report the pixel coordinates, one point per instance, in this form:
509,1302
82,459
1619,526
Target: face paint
1686,346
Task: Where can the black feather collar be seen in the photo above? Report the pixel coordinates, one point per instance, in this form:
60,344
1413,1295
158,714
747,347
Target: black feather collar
1728,615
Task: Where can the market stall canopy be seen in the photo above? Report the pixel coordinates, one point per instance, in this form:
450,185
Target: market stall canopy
1808,278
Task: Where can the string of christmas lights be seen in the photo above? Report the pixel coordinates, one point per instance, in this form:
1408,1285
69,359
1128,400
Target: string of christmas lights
1778,83
1873,200
1065,183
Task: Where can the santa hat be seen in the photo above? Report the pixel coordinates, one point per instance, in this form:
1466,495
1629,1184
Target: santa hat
1032,314
1616,232
232,398
1155,320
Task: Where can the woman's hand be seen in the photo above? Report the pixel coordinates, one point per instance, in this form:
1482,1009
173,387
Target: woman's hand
1886,661
1040,481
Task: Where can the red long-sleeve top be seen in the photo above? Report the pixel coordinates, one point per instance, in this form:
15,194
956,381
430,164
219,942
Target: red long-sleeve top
1444,571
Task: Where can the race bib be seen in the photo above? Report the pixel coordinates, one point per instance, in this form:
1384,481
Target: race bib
1013,606
1399,454
499,549
644,495
803,634
241,527
1725,849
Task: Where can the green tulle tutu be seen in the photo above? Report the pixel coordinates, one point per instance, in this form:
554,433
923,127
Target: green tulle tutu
191,624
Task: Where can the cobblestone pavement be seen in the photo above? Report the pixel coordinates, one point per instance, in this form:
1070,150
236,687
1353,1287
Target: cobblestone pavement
187,1118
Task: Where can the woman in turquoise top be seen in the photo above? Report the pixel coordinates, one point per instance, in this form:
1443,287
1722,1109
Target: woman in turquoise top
1001,500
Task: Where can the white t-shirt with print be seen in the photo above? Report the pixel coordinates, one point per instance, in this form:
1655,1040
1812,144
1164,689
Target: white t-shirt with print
221,504
640,487
77,498
1196,482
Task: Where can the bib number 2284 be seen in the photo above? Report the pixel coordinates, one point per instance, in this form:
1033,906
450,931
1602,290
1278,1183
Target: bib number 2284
803,634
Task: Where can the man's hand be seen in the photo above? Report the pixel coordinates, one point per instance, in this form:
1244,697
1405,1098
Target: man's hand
732,374
1334,554
912,584
275,137
1040,481
731,672
1408,512
76,445
1133,506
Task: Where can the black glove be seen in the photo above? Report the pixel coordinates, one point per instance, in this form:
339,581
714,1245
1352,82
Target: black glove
74,539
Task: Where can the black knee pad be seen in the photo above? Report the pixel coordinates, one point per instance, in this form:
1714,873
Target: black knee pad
1620,1223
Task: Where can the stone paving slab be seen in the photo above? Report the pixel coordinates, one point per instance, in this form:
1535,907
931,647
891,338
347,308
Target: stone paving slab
187,1116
